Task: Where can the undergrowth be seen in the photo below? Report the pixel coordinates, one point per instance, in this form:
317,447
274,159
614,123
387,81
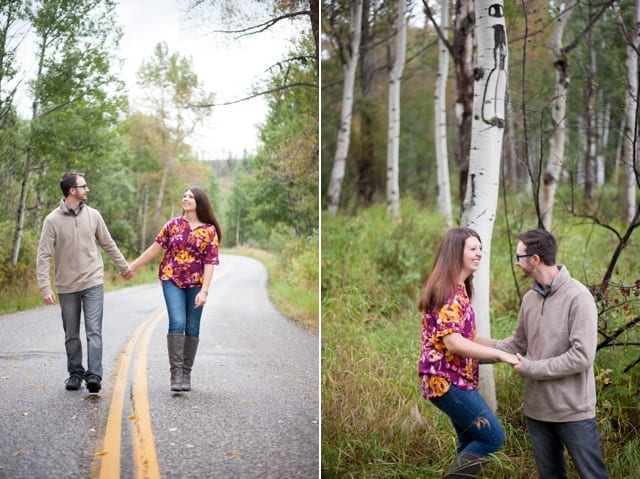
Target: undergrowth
374,420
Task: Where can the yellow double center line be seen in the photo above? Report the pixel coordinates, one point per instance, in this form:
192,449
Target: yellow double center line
106,463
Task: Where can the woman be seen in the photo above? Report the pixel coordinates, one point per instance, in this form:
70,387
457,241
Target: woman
191,244
448,364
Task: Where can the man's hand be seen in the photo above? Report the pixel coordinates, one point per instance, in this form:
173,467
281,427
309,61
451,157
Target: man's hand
519,365
49,299
127,276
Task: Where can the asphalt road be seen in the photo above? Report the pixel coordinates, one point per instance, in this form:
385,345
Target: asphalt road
253,411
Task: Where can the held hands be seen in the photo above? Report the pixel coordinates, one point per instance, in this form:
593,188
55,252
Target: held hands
127,276
515,360
519,365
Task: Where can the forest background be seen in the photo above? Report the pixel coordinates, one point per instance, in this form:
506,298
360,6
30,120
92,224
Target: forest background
374,261
139,162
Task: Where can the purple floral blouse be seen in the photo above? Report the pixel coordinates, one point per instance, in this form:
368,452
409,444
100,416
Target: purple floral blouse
437,367
187,251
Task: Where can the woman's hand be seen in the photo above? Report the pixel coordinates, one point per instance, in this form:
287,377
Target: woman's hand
201,298
509,358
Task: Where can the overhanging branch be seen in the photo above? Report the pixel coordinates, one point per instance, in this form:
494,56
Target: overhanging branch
261,27
255,95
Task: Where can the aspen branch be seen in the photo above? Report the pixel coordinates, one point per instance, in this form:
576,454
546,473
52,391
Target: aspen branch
261,27
429,13
255,95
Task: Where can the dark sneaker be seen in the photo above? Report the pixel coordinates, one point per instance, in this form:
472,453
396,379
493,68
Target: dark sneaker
73,383
93,383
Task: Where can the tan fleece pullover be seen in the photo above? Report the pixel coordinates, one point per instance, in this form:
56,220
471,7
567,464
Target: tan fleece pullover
73,241
558,334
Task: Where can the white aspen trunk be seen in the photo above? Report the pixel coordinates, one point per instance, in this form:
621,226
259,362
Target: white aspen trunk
344,132
26,168
555,162
393,134
616,167
603,139
481,199
440,96
590,157
143,232
629,156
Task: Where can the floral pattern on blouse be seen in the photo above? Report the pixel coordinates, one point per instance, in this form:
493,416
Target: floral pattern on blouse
437,367
187,251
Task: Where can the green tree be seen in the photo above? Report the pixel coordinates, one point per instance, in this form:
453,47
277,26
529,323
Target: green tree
177,101
286,165
72,110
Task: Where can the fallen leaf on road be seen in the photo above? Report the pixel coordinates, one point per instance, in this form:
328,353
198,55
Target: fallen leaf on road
233,453
101,453
17,452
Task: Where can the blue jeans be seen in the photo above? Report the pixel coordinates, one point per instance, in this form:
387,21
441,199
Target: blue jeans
581,439
90,301
479,431
184,317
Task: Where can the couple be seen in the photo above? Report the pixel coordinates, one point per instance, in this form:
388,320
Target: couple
556,332
71,235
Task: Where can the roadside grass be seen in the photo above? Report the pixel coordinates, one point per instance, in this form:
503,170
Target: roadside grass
291,290
374,420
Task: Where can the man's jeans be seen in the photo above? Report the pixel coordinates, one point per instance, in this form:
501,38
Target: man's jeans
479,431
581,439
184,317
90,301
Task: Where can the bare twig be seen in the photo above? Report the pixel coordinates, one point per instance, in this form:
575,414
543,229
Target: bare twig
261,27
255,95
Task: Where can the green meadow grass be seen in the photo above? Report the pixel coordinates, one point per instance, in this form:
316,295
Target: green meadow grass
375,423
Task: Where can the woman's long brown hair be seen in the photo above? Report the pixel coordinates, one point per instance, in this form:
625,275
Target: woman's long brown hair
443,279
204,210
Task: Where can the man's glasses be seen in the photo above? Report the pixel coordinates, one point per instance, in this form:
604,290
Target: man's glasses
81,186
520,256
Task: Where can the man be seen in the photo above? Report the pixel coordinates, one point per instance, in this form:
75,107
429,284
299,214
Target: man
557,331
71,235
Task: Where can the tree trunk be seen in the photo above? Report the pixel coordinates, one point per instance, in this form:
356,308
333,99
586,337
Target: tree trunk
365,158
314,10
481,200
344,132
440,97
393,136
145,206
590,156
22,208
463,61
630,166
604,120
26,168
155,223
555,162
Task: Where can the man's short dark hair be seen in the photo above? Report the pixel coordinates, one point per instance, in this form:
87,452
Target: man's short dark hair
542,243
68,181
